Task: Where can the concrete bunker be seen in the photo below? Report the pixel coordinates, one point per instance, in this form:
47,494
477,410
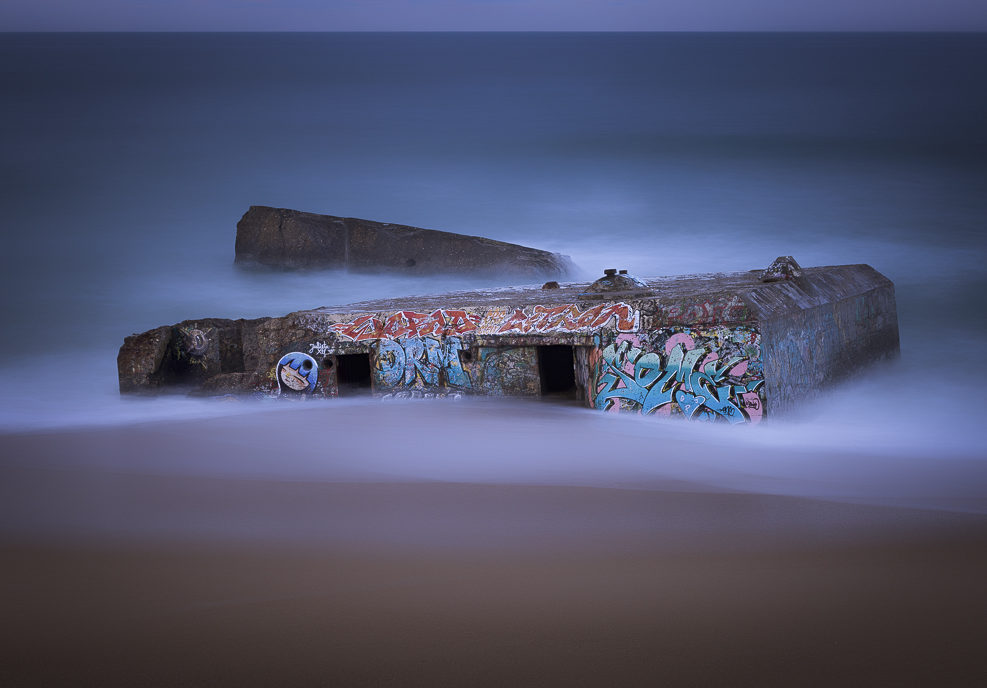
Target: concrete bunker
734,348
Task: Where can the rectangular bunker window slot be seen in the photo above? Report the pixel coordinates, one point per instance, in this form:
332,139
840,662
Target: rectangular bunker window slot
353,374
557,371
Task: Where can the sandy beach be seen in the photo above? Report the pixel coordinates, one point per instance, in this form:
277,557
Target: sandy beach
151,577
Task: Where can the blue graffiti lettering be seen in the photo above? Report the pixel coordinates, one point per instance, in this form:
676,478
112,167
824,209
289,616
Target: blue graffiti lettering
420,362
704,393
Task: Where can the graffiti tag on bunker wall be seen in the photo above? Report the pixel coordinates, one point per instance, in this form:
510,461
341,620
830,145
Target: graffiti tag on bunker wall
530,319
438,323
319,348
569,318
420,362
708,312
685,375
711,374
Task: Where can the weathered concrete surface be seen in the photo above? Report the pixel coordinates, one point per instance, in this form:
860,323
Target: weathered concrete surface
819,331
189,355
725,347
290,239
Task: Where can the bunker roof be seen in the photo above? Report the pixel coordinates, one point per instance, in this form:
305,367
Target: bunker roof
764,300
680,287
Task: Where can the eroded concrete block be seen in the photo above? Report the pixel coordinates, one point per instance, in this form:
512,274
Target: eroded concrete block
290,239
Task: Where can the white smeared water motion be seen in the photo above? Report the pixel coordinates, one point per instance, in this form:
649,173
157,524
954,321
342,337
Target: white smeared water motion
137,195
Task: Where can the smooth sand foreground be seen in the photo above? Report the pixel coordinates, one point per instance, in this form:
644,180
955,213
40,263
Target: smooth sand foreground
218,581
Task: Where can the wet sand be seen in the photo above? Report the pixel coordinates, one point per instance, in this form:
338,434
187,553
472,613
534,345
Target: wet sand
114,578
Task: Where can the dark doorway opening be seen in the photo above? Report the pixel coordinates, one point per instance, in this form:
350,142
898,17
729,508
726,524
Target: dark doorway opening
353,373
557,371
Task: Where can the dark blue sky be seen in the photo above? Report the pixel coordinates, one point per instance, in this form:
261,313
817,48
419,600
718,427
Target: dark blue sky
493,15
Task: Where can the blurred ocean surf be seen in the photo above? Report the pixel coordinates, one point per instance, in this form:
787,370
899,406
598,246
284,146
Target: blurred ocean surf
128,159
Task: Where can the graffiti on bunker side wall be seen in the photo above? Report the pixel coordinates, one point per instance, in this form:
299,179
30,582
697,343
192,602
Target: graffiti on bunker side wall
685,374
438,323
420,362
569,318
297,373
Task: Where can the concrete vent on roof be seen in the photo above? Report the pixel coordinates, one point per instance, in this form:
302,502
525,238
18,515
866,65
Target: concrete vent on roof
617,281
783,268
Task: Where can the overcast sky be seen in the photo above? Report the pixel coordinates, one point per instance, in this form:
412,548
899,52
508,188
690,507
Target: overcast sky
493,15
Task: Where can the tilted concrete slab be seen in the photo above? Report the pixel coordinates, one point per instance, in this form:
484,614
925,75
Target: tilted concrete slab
291,239
720,347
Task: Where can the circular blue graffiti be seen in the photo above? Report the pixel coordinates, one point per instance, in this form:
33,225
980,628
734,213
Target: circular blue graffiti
297,373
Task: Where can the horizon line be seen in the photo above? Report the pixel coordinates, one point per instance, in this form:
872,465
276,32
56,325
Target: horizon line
533,31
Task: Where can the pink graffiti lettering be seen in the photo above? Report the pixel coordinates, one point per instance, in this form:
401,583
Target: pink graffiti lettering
679,338
402,324
569,318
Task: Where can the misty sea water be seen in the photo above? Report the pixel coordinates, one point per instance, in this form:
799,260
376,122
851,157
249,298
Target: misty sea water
128,159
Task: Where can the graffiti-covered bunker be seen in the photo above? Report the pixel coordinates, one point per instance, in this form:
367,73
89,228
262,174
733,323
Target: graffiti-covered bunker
727,347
